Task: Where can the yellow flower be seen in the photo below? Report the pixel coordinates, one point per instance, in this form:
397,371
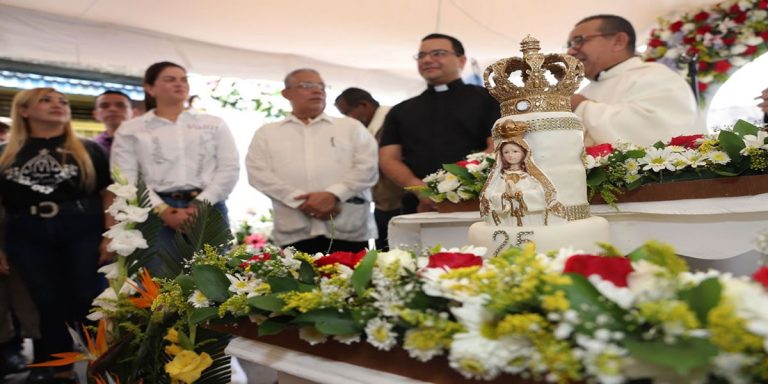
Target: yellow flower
172,336
187,366
173,349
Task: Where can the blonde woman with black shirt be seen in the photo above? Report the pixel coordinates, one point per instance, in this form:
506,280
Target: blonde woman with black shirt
53,186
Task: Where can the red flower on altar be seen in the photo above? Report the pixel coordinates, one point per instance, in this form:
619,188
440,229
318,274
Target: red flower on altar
740,18
688,141
454,260
751,50
655,43
600,150
702,86
761,276
676,26
728,40
692,51
706,28
688,40
703,66
764,35
349,259
722,66
734,9
701,16
464,163
255,259
762,4
613,269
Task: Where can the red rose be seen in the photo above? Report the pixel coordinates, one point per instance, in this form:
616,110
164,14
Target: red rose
722,66
703,66
613,269
347,258
762,4
454,260
256,259
676,26
655,43
728,40
688,141
734,9
764,35
650,59
702,86
703,29
464,163
751,50
688,40
761,276
701,16
600,150
740,18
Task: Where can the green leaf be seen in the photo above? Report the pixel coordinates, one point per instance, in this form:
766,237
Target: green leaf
636,154
363,272
199,315
732,144
307,272
211,281
283,284
184,341
337,326
682,356
270,303
743,128
702,298
589,303
596,176
272,326
186,283
459,171
324,314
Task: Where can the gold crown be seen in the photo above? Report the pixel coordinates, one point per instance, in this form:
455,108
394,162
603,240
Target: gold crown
537,94
507,130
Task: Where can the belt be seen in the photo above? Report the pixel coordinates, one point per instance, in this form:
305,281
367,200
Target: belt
50,209
182,195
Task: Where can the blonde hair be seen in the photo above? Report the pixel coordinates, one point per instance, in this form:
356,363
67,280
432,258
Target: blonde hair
19,134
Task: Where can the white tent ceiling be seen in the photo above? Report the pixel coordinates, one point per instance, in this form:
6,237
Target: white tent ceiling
352,42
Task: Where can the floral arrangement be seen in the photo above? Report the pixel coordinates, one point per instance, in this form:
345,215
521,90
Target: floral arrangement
255,236
724,36
612,169
460,181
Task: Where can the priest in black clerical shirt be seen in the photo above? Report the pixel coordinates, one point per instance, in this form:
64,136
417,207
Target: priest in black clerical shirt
442,125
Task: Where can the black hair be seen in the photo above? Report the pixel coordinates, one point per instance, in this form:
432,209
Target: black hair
457,46
151,75
614,24
353,96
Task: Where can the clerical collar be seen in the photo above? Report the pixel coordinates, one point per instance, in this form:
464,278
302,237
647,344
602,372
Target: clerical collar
446,87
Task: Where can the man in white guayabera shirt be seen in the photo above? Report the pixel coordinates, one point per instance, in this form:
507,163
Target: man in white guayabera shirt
317,169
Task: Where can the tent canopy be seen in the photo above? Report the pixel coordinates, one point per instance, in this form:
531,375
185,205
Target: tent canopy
351,42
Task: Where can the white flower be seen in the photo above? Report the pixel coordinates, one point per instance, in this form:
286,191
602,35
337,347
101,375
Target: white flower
110,270
631,177
132,213
556,262
730,365
198,300
405,259
632,166
125,191
622,296
125,241
757,142
591,162
752,39
379,334
434,177
738,49
312,335
453,197
649,282
106,301
657,159
695,158
738,61
348,339
678,161
465,192
422,354
719,157
688,27
242,285
448,184
456,289
118,204
758,15
750,302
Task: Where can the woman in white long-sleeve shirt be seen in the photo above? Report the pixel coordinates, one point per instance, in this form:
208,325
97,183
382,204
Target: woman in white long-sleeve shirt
184,157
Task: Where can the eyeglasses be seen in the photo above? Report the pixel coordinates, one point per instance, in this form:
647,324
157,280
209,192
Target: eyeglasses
309,85
434,54
578,41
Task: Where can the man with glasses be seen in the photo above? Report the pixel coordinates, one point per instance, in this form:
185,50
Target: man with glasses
442,125
318,171
627,99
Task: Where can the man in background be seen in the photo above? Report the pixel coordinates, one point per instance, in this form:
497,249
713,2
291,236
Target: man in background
111,108
318,171
442,125
360,105
627,99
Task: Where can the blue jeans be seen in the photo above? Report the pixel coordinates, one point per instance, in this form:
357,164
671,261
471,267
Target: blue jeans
57,258
167,236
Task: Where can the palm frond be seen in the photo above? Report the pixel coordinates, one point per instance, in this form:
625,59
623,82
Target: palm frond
220,372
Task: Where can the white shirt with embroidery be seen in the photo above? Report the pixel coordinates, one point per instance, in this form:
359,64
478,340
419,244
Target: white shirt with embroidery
288,158
196,151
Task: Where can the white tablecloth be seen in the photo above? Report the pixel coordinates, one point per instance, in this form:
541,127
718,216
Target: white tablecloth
710,230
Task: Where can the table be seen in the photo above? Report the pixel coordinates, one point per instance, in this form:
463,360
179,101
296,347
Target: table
715,233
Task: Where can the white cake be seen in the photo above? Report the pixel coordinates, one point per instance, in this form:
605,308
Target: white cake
541,195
